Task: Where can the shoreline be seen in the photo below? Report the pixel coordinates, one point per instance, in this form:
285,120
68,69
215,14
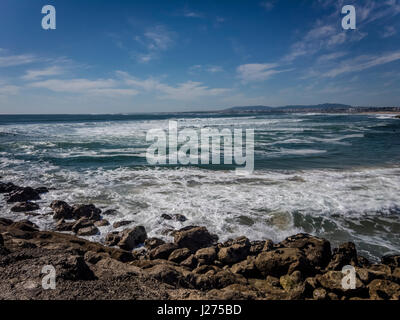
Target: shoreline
194,266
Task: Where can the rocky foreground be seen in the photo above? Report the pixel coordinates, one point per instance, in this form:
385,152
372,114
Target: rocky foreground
194,266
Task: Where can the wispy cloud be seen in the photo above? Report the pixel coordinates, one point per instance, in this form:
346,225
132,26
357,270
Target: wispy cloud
47,72
205,68
389,31
267,5
254,72
16,60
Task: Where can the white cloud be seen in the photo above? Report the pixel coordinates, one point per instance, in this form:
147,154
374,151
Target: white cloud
36,74
267,5
389,31
16,60
256,71
7,90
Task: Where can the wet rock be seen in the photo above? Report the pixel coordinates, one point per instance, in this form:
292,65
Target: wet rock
86,210
384,290
1,241
25,207
163,251
392,261
62,210
88,231
166,216
316,250
122,223
131,238
102,223
194,238
225,278
281,261
110,212
346,254
61,225
235,253
179,255
112,239
332,281
256,247
41,190
152,243
206,255
179,217
82,223
22,195
8,187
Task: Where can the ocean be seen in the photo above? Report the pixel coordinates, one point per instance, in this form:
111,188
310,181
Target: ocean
331,175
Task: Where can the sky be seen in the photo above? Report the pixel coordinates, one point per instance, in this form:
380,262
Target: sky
171,55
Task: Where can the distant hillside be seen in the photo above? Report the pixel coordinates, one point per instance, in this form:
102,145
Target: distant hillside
325,107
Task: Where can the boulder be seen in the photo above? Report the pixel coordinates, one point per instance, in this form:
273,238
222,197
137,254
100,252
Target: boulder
1,241
317,250
112,239
332,281
320,294
194,238
163,251
73,268
235,253
122,223
88,231
247,268
82,223
8,187
392,261
384,290
346,254
102,223
110,212
86,210
205,255
62,210
167,274
22,195
25,207
190,262
131,238
225,278
152,243
41,190
281,261
179,255
61,225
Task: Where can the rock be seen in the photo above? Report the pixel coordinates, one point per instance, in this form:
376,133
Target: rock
102,223
122,223
346,254
62,210
25,207
88,231
82,223
166,216
74,268
152,243
332,281
194,238
112,239
205,255
179,255
61,225
317,250
41,190
111,268
225,278
166,273
176,217
110,212
163,251
392,261
22,195
8,187
1,241
247,268
190,262
384,290
281,261
238,251
320,294
256,247
25,225
270,288
131,238
290,282
86,210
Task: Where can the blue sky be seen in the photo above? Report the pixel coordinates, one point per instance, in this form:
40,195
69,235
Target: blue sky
171,55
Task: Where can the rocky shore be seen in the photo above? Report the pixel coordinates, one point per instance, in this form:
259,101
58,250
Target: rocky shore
194,266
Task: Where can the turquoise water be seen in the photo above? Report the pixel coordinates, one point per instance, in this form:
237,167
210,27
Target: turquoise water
333,175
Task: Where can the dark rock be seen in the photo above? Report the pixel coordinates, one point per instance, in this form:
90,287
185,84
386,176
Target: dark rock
131,238
112,239
190,262
317,250
346,254
25,225
320,294
163,251
167,274
152,243
247,268
86,210
22,195
62,210
206,255
256,247
74,268
41,190
194,238
166,216
234,253
176,217
25,207
281,261
1,241
225,278
82,223
392,261
179,255
8,187
110,212
122,223
384,290
61,225
88,231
